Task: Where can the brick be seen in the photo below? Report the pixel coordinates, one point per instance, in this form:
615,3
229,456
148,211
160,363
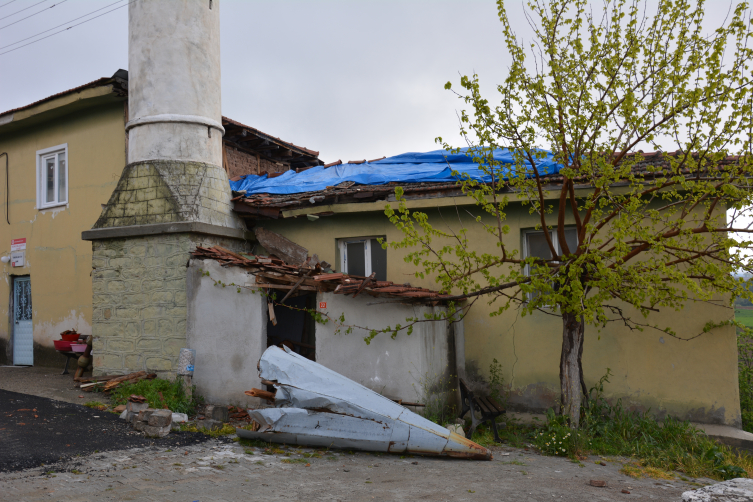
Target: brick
151,285
149,344
162,297
136,209
135,299
126,313
218,413
109,330
158,364
137,250
136,407
139,183
160,418
120,262
152,312
155,432
176,260
106,274
111,361
177,312
116,287
120,345
164,328
132,363
136,272
150,327
180,298
131,330
172,346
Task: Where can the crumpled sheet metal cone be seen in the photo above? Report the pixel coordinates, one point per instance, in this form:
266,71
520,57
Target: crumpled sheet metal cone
315,406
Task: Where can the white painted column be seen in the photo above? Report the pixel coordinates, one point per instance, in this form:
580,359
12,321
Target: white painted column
174,81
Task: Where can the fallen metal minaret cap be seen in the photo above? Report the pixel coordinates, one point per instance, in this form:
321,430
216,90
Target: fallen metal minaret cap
315,406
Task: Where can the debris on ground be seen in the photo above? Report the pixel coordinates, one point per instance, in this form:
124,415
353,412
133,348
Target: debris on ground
108,383
316,406
734,490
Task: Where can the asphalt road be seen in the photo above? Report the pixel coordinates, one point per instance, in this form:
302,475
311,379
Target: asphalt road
37,430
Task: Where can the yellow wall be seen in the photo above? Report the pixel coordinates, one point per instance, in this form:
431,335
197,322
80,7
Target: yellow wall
694,379
57,260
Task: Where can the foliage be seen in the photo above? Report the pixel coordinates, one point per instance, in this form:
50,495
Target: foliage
669,445
745,375
651,232
225,430
159,393
96,405
497,383
438,390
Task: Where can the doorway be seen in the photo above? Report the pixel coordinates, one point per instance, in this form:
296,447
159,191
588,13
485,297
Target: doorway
295,327
23,331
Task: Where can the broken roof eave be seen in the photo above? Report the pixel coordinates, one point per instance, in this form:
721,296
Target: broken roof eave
451,198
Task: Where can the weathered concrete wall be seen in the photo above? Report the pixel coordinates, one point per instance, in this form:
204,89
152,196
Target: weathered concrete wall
651,370
168,191
139,300
412,367
174,81
228,330
57,260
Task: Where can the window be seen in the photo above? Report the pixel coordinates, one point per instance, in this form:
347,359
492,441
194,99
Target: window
534,244
52,176
362,256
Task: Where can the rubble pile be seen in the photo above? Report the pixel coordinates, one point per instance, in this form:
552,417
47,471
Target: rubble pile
151,421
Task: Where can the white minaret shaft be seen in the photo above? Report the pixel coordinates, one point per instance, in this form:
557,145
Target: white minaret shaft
174,81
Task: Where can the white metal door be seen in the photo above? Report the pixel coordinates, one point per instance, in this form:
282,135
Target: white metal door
23,333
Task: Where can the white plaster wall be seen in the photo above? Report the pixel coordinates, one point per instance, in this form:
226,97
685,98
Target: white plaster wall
228,330
404,368
174,77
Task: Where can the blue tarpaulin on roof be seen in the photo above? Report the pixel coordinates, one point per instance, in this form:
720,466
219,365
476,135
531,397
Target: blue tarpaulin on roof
436,166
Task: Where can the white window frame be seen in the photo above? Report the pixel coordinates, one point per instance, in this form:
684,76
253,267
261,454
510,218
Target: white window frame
41,178
555,243
342,246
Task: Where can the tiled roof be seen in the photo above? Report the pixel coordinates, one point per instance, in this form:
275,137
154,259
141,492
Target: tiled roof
348,192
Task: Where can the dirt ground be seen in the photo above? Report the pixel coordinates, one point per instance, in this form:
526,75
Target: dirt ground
221,470
46,382
215,471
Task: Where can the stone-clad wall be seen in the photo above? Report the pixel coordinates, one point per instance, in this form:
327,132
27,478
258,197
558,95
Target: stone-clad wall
139,300
169,191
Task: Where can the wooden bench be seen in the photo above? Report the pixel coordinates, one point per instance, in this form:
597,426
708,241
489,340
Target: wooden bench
487,407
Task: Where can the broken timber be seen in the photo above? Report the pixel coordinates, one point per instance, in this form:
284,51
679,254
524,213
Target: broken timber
314,406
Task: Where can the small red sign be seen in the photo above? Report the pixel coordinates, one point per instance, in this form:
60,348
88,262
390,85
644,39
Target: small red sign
18,244
322,305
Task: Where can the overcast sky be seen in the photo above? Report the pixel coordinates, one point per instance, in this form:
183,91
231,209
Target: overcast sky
351,79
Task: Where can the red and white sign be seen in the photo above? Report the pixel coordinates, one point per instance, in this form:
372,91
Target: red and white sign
322,305
18,244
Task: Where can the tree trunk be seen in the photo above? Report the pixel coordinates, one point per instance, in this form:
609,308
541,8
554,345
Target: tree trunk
571,373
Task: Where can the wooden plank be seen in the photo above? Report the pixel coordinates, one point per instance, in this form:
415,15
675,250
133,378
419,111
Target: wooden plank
276,244
285,286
